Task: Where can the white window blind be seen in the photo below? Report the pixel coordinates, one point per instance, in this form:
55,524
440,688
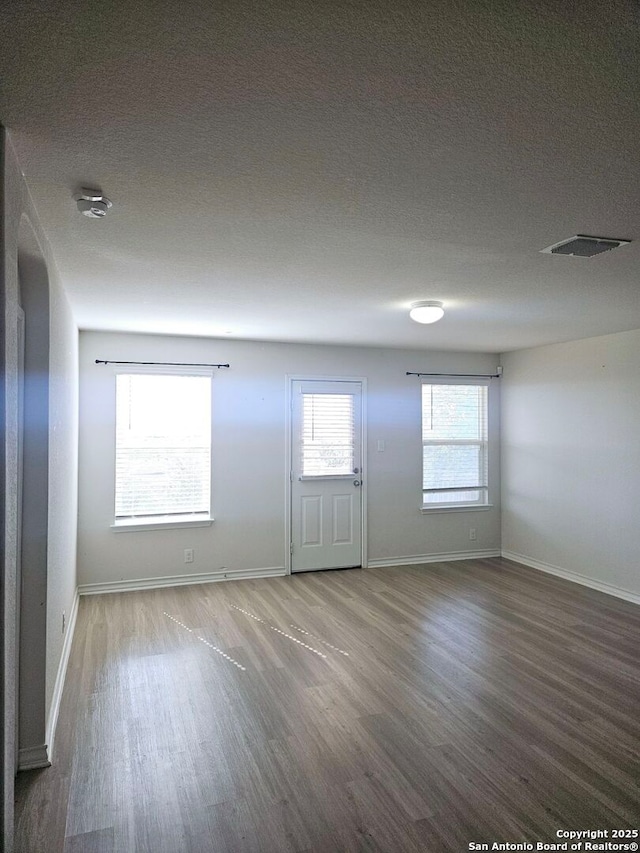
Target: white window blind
327,434
163,445
454,444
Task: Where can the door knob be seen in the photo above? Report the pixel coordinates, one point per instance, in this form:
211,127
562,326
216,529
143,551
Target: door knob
357,482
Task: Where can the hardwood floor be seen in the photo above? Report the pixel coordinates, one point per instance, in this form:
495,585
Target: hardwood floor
399,709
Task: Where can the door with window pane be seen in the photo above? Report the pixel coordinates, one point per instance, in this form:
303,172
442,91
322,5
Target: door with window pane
326,475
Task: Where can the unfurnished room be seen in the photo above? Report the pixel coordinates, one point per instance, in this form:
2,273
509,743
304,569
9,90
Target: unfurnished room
320,426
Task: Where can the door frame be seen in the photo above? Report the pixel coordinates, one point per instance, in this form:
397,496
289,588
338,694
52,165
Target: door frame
21,329
288,460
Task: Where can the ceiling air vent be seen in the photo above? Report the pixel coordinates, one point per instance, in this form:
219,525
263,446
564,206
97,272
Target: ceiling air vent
582,246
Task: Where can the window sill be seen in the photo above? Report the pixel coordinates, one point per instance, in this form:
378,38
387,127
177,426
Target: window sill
456,508
167,522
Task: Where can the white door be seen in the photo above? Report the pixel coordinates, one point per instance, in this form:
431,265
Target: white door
326,475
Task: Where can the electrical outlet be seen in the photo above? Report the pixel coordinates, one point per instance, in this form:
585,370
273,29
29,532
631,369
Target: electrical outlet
64,621
188,555
472,534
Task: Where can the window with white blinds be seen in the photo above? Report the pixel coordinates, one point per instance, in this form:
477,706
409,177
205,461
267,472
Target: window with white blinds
454,445
163,446
327,435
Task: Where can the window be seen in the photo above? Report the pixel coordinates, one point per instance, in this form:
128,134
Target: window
454,445
327,435
163,448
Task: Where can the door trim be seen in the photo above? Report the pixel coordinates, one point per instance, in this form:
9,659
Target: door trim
21,328
306,377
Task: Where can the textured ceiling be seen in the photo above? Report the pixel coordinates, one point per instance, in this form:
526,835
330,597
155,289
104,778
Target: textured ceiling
306,170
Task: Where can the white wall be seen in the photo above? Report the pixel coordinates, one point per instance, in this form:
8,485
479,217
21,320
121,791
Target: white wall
63,484
57,571
571,459
249,457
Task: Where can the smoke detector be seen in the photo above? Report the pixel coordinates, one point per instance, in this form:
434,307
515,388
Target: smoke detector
582,246
92,203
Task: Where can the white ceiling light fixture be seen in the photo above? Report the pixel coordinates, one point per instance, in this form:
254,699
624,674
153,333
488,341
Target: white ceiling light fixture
427,311
92,203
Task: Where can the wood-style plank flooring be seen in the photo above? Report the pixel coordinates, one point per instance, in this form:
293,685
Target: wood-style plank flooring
399,709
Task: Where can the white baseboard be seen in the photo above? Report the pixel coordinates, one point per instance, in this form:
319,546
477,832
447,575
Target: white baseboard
433,558
601,586
33,758
52,720
179,580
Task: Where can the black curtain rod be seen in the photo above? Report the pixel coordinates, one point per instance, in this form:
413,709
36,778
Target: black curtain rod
463,375
162,363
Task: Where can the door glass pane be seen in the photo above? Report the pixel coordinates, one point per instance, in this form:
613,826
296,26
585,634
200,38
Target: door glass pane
327,434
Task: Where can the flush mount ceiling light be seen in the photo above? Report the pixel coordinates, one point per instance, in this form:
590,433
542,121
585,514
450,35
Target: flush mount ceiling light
92,203
426,312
